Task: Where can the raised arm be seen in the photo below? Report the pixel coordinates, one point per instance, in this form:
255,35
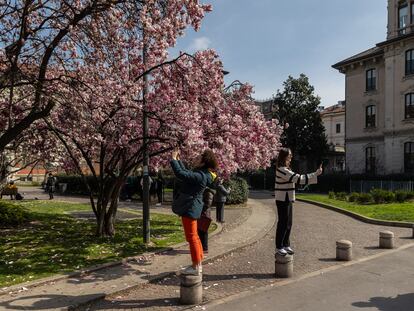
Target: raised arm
184,174
301,179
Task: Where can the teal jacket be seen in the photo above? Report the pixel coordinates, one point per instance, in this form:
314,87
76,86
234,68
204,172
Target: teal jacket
188,201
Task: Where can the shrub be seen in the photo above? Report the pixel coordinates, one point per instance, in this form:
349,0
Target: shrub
410,196
353,197
364,198
382,196
341,196
239,190
11,215
331,195
401,196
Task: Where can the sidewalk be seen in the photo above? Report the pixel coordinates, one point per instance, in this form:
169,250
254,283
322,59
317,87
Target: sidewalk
383,282
66,293
251,268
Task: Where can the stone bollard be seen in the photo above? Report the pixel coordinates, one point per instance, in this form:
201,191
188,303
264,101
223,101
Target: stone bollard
191,290
283,266
386,239
344,250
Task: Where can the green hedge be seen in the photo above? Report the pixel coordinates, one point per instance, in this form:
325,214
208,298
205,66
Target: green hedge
12,215
239,190
377,196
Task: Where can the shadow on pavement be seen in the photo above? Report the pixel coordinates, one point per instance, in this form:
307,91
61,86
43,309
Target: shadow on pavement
136,304
403,302
44,302
256,276
113,273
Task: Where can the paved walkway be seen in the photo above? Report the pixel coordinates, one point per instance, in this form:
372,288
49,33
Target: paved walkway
383,283
67,292
314,235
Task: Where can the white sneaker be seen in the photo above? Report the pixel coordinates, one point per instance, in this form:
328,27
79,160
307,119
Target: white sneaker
281,252
192,271
289,250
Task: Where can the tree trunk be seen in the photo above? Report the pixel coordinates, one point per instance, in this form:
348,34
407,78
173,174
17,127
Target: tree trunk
100,220
106,216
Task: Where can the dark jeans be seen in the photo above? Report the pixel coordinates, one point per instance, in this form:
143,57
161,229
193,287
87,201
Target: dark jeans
159,195
284,223
51,190
220,211
204,239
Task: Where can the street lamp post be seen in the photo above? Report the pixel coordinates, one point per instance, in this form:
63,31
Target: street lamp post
145,170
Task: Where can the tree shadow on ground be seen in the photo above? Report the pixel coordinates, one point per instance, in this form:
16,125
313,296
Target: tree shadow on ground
44,302
136,304
108,274
172,278
174,252
231,276
399,303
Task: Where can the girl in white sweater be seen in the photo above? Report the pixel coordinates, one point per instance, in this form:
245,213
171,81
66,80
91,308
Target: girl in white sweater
286,180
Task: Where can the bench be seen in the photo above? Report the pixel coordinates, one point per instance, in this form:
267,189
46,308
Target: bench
8,191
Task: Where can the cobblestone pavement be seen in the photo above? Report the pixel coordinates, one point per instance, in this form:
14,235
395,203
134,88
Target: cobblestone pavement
314,234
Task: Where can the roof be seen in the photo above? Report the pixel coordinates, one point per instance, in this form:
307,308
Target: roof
375,51
338,108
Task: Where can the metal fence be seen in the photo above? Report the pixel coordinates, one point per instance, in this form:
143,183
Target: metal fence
367,185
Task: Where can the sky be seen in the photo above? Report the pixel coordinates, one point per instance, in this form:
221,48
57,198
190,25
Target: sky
262,42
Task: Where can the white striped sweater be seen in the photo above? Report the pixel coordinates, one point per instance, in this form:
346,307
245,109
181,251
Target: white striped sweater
286,181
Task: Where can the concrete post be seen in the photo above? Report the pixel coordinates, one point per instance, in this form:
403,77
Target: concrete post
283,266
191,290
386,239
344,250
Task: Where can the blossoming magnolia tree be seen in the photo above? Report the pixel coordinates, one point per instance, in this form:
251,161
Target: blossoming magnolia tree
187,107
43,44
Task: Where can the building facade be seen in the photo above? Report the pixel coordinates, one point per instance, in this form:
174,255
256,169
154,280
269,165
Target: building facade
266,107
379,90
333,119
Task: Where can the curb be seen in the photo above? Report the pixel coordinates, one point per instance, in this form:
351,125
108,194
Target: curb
86,271
171,273
400,224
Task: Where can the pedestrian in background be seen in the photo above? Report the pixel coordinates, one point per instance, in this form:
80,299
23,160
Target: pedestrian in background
160,187
51,185
220,199
188,201
285,183
203,224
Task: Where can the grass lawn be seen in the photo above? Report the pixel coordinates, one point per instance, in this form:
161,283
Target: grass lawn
392,211
55,242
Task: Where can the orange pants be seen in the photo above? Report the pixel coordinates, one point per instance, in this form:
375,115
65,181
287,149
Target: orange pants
191,235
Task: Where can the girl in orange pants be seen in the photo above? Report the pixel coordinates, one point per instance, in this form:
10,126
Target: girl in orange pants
191,236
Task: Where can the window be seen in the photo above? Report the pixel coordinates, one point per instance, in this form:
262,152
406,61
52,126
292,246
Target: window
338,128
412,13
370,160
402,19
370,114
371,80
409,62
409,106
409,157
